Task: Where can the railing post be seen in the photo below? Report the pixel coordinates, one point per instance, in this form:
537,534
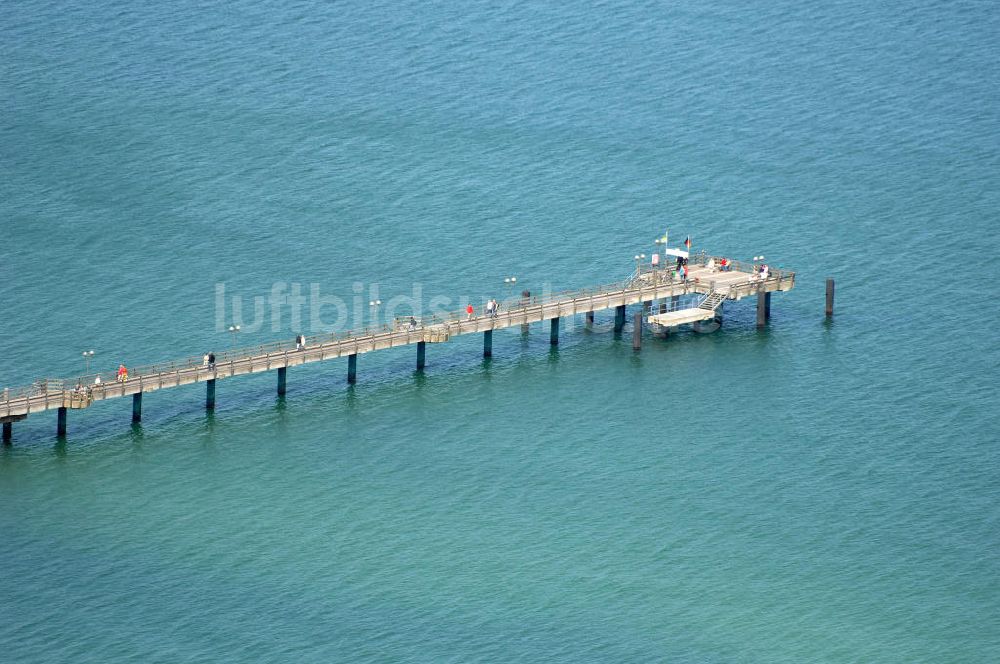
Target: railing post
525,301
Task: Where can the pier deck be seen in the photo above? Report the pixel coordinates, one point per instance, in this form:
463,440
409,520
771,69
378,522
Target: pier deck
682,317
645,285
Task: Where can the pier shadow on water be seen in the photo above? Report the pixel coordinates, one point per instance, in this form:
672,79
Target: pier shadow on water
136,435
419,378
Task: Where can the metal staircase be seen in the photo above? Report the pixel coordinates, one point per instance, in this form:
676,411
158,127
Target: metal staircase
712,301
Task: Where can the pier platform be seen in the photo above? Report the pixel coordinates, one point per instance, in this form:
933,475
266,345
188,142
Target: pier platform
646,285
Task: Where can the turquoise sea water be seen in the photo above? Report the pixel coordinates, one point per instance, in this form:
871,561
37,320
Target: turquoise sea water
811,492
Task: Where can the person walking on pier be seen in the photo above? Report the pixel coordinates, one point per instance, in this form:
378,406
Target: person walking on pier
468,312
211,361
122,374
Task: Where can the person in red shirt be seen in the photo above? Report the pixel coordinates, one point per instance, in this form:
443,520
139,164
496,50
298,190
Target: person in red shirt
469,311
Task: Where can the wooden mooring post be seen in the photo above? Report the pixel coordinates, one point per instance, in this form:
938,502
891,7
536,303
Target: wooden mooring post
829,297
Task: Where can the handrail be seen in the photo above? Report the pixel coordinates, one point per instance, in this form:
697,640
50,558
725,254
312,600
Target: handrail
646,276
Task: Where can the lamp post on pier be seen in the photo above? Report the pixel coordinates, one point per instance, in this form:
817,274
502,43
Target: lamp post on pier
508,284
234,330
87,354
638,262
374,305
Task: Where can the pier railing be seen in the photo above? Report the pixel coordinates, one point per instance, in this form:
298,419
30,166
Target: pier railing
46,392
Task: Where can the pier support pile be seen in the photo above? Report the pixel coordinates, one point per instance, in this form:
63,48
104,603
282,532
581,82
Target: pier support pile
763,308
352,368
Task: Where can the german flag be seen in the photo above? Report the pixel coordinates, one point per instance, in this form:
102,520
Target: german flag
687,242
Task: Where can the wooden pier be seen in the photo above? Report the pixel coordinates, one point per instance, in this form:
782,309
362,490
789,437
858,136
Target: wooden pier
648,284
